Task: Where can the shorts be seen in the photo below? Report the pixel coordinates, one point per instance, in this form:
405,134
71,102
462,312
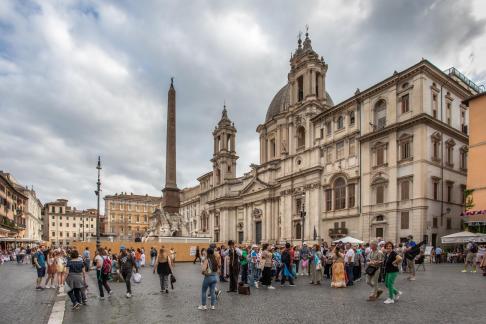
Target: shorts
41,272
470,257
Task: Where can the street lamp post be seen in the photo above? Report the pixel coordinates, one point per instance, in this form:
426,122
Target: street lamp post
302,219
97,192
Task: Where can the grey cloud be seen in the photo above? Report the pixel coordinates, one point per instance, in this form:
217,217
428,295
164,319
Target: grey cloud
84,78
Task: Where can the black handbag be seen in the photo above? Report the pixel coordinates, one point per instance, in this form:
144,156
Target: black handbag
370,270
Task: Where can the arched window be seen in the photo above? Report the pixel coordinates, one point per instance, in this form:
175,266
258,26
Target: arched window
339,193
380,115
300,137
298,230
340,122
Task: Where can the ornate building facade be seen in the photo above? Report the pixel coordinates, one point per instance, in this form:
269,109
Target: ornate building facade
388,162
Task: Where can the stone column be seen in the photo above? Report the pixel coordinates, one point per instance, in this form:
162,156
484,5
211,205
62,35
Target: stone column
170,191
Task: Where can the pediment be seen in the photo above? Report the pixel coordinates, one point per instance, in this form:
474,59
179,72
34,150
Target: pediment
254,185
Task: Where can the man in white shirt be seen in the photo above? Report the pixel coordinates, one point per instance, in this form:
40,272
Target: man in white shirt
349,263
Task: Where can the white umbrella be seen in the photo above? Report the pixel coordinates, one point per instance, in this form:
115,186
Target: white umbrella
463,237
349,239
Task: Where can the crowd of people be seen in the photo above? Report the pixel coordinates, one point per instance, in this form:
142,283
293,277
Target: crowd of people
243,266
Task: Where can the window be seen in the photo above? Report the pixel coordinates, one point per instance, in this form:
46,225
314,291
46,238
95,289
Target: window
351,195
145,218
352,146
272,148
435,105
462,194
380,192
448,113
380,218
74,234
380,156
405,150
53,233
340,122
340,150
463,121
52,217
449,223
300,88
405,190
328,199
449,192
379,232
434,222
328,128
67,234
297,229
405,104
298,206
300,137
67,224
60,234
53,224
436,146
322,133
339,194
450,153
380,115
53,209
436,190
351,118
318,77
404,220
463,157
74,224
328,155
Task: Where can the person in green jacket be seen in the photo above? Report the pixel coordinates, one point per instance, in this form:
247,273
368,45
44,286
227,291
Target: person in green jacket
244,264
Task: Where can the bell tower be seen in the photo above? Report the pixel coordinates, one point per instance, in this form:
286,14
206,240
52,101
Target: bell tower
224,156
307,74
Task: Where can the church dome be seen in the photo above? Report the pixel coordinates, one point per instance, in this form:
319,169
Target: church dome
281,102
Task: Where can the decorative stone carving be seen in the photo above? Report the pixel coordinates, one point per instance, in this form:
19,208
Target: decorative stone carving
257,213
166,224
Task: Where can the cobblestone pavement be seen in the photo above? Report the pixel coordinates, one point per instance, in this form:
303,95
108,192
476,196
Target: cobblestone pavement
442,294
19,301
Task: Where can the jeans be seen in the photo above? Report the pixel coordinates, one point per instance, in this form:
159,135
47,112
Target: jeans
152,261
102,282
254,274
86,265
127,276
209,282
244,273
349,271
75,295
164,279
389,281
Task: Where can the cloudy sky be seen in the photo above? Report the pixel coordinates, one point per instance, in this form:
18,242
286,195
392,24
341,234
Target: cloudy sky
80,79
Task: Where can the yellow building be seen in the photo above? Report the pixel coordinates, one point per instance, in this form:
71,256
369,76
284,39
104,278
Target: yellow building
12,207
476,177
64,224
127,215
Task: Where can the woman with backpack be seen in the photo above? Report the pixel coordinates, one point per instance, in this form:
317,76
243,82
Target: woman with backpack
103,271
210,268
163,264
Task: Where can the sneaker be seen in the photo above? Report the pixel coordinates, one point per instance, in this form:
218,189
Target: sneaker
48,287
102,297
167,291
292,285
109,293
397,296
76,306
202,307
256,285
389,301
412,279
38,288
218,294
212,307
464,271
270,287
129,295
473,271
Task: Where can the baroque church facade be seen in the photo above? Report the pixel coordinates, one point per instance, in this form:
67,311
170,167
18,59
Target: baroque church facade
390,161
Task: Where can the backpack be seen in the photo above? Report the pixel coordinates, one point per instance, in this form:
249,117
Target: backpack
474,248
106,267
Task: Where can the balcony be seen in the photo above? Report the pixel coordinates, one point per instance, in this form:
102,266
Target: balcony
338,232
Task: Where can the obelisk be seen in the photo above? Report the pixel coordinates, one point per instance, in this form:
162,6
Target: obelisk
170,191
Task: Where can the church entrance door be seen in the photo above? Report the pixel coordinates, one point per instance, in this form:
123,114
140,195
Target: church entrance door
258,232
